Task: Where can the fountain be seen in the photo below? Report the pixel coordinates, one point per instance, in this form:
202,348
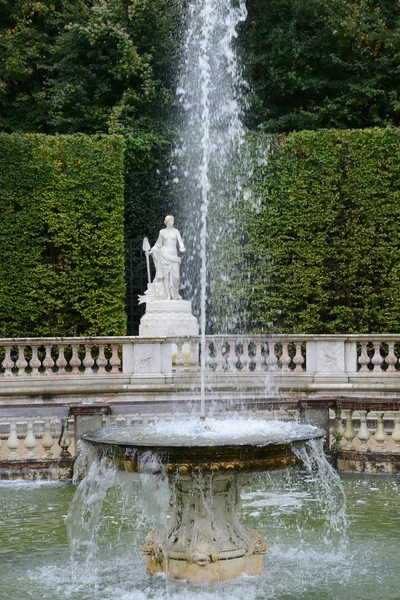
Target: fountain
204,463
205,466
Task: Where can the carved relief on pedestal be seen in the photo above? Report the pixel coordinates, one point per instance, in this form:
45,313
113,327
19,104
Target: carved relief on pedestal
146,359
205,540
330,357
168,323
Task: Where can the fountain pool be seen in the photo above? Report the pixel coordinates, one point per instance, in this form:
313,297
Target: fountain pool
301,564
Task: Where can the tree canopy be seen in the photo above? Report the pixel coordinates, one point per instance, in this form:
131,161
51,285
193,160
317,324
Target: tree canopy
323,63
102,66
86,66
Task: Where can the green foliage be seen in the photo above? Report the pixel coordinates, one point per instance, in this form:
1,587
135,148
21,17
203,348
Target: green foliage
323,63
28,30
61,235
95,66
112,67
87,66
147,197
325,244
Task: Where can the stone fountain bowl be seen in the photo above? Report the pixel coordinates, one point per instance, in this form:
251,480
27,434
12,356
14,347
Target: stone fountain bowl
204,540
216,446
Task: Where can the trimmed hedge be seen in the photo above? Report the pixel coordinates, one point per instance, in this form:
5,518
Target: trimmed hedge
61,235
326,243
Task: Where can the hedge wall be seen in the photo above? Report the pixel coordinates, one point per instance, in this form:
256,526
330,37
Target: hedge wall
326,244
61,235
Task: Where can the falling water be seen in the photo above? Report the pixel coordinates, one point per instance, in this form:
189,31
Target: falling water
212,135
151,494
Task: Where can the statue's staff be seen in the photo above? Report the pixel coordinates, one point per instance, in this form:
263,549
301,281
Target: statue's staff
146,248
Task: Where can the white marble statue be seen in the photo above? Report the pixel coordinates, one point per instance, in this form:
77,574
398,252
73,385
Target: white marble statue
165,285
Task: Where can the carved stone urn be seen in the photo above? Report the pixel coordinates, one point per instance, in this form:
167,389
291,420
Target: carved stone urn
204,540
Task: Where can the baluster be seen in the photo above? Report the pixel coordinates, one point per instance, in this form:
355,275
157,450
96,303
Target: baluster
61,361
88,361
298,359
101,361
65,441
364,359
30,441
363,433
396,430
35,363
115,360
245,358
259,359
391,358
349,433
237,346
272,359
21,363
8,363
339,429
48,361
47,441
380,434
230,356
377,359
208,361
75,361
220,360
194,355
179,361
13,441
285,359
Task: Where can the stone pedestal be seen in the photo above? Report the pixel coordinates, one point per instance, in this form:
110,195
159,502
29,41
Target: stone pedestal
168,318
88,417
205,540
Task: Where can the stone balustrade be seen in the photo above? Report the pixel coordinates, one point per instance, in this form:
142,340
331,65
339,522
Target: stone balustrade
137,379
59,356
29,438
360,436
366,430
100,356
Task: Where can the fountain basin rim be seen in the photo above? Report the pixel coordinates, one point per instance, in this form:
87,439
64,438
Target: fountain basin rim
173,457
97,437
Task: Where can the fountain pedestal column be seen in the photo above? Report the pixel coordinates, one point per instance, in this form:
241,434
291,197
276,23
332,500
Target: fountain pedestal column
204,540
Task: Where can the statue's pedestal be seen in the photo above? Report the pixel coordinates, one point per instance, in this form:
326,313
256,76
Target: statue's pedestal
168,318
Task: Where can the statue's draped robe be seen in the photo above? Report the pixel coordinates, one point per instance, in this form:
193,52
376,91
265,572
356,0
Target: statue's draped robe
167,268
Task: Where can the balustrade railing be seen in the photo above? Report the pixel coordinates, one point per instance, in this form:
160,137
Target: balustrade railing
376,431
378,354
246,354
285,354
52,356
27,439
366,430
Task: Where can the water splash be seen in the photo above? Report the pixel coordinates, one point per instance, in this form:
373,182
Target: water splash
331,496
83,517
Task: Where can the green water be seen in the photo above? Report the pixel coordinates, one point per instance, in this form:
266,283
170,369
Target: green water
304,561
